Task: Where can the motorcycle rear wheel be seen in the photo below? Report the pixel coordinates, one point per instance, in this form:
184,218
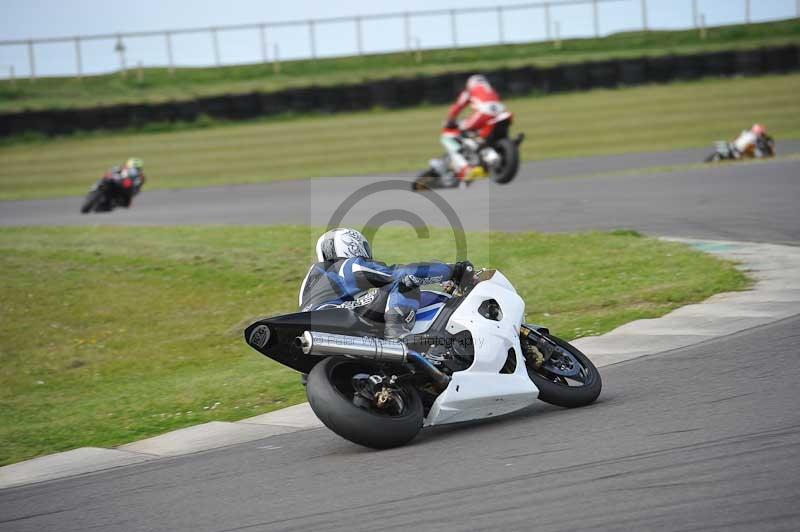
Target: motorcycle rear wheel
509,153
567,392
331,395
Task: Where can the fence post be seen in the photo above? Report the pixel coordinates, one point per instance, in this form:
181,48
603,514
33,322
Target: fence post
120,49
215,43
547,22
312,39
276,59
695,17
703,26
170,60
12,76
262,33
595,18
644,15
32,60
557,42
78,58
407,29
500,31
453,29
747,11
359,43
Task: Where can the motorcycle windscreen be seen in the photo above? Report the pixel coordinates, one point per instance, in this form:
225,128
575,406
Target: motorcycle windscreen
275,337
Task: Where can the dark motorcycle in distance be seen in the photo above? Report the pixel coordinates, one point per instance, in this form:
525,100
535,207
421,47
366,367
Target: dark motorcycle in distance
111,191
496,153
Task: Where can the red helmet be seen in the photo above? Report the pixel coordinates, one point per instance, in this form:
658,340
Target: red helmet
758,129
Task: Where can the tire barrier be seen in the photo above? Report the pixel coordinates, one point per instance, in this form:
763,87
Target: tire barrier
750,62
396,93
520,81
661,69
689,67
720,63
604,74
633,71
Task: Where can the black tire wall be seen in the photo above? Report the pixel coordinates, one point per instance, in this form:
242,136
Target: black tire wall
395,93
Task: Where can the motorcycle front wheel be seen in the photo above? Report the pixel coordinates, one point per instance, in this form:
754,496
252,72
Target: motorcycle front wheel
508,168
568,378
334,398
425,181
92,199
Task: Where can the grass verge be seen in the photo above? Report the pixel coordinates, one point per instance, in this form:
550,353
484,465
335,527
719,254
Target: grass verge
157,85
651,118
109,335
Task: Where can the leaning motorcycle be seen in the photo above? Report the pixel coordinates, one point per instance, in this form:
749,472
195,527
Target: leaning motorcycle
725,151
468,357
491,149
109,192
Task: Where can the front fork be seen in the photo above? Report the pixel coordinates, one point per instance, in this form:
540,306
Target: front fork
538,345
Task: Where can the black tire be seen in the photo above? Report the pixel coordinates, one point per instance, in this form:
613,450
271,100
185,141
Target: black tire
359,425
425,181
714,157
509,152
559,394
91,201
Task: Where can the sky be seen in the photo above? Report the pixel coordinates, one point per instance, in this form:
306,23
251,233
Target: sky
32,19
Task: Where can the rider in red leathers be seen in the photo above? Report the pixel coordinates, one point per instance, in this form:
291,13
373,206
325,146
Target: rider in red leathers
485,103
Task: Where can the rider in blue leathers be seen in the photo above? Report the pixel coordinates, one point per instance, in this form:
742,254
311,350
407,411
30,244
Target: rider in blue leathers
346,276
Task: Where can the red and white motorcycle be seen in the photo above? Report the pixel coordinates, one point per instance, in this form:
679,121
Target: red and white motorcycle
491,149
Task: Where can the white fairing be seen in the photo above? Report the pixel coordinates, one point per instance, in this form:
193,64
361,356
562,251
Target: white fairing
481,390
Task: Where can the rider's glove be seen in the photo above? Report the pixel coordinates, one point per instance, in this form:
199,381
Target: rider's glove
450,124
462,270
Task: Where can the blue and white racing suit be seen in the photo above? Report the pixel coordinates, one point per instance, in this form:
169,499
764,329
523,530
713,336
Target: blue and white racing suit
375,290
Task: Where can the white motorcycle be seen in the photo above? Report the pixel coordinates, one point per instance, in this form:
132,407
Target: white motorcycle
469,356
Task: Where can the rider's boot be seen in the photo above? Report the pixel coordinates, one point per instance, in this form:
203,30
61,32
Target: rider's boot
467,174
398,323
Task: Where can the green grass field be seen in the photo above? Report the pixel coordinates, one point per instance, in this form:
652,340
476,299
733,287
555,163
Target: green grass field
108,335
650,118
187,83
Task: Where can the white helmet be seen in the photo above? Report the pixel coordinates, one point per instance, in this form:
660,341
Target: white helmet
475,80
342,243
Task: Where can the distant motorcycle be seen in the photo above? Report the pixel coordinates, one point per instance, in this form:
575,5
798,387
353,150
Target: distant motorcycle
111,191
496,153
764,147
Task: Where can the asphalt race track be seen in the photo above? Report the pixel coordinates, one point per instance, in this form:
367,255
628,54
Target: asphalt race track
700,438
737,201
704,438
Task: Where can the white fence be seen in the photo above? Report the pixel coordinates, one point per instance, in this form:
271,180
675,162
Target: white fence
265,42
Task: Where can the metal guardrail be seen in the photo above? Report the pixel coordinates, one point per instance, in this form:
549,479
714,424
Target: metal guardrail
551,30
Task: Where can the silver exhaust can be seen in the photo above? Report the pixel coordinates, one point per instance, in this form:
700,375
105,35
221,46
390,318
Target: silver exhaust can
329,344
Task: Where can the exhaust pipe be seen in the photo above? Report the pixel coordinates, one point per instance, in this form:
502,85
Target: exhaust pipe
329,344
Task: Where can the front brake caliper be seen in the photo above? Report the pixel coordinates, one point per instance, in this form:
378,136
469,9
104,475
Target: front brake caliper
534,355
